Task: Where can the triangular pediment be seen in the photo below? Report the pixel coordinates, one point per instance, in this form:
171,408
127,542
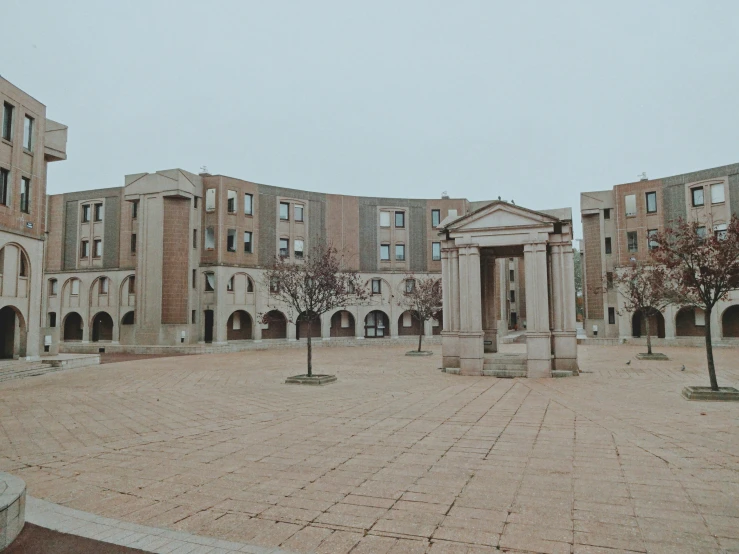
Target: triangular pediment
500,215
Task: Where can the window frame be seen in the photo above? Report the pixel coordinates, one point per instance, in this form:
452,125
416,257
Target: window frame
207,285
715,186
606,213
410,285
195,239
250,249
286,249
437,213
376,281
611,316
608,246
84,249
402,257
86,213
4,186
135,209
434,257
384,247
7,129
300,207
28,141
231,201
209,231
298,253
231,240
250,203
512,296
511,275
134,240
635,241
97,245
25,199
693,191
210,200
53,287
650,234
401,214
287,211
385,213
103,285
97,212
626,205
647,196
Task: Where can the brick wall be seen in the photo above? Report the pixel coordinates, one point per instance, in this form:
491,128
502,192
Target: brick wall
175,241
55,237
639,223
593,268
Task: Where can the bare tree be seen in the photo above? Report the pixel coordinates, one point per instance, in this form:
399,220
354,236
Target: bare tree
702,268
643,290
313,286
422,297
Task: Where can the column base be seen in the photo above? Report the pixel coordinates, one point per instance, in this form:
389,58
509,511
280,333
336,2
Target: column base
450,349
471,353
539,354
490,343
565,350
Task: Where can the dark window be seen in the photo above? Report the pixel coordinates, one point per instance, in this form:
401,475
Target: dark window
85,213
230,284
511,275
376,286
133,243
53,287
195,203
210,282
98,212
8,121
632,241
410,284
247,241
52,319
24,266
697,194
231,240
435,218
607,213
248,206
231,202
400,219
608,245
284,211
513,295
103,285
651,202
194,238
436,251
284,248
97,250
274,285
25,194
194,278
135,209
384,252
193,316
298,213
28,133
609,279
651,242
701,231
84,249
132,284
612,316
4,186
400,252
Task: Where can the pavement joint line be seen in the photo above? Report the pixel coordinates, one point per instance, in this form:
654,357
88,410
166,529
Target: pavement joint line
149,539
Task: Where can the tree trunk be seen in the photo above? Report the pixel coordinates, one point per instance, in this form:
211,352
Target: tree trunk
420,337
709,353
649,339
310,349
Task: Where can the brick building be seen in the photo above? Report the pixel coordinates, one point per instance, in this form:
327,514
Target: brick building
617,224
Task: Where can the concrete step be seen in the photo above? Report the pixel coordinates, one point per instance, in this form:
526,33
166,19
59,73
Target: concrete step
505,373
562,373
26,369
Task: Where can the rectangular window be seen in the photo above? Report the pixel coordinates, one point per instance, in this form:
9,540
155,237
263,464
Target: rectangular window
609,279
298,213
697,195
103,285
53,287
631,240
651,236
247,242
630,201
194,238
8,121
132,284
230,287
607,213
435,218
436,251
4,186
75,287
651,202
231,240
231,202
400,219
25,194
384,252
410,285
133,243
608,245
195,203
274,285
28,133
513,295
97,248
98,212
717,193
284,211
193,316
84,249
210,200
384,219
85,213
719,231
298,248
612,316
52,319
210,282
376,286
194,278
511,275
210,238
135,209
284,248
248,199
400,252
701,231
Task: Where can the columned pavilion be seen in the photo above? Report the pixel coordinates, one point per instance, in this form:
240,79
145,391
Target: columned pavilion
477,245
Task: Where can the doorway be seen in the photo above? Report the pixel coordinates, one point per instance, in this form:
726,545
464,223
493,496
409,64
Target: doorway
7,332
208,325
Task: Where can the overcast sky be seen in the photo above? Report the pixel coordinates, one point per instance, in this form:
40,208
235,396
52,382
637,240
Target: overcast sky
532,101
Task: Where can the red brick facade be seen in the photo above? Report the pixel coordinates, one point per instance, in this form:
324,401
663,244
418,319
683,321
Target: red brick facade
174,262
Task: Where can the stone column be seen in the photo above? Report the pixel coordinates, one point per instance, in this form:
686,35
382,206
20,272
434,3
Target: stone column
489,317
563,301
502,296
450,295
470,325
538,336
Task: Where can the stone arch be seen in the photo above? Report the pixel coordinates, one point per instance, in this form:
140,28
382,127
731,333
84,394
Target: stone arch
342,324
656,325
376,325
12,333
730,322
304,326
72,327
408,324
15,267
276,325
238,286
68,291
95,290
685,323
102,327
386,290
239,326
129,318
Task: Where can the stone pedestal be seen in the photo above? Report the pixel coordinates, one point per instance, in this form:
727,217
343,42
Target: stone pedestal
565,350
449,349
539,353
470,353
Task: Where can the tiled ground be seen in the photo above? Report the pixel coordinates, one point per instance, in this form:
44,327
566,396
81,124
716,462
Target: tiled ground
395,457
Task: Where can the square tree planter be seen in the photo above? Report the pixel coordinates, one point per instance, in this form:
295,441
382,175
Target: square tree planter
725,394
312,380
655,356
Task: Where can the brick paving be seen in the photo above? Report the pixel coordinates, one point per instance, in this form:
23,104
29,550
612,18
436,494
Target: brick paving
394,457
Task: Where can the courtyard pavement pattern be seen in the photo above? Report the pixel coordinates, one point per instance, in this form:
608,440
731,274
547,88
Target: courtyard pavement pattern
396,457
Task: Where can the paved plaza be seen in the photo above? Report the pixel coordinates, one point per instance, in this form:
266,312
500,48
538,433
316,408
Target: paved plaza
394,457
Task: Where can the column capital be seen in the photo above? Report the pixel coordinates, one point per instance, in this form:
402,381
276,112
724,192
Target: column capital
536,246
